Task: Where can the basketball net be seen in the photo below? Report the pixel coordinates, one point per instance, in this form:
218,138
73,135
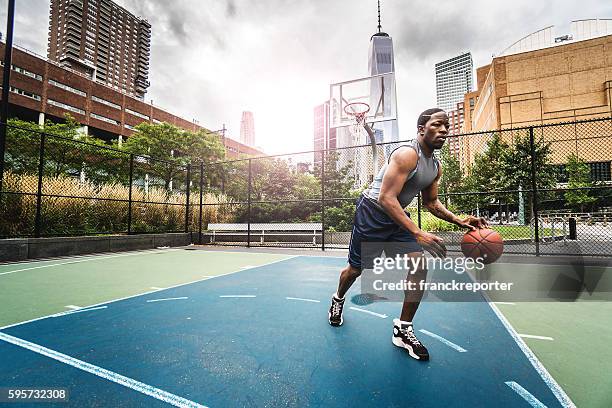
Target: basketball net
358,110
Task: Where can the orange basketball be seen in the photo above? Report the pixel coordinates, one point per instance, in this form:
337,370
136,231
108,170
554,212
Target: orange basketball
483,243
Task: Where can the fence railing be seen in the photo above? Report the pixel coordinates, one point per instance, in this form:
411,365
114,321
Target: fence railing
520,179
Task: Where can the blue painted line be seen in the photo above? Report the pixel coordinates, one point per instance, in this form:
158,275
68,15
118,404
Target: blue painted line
101,372
533,401
443,340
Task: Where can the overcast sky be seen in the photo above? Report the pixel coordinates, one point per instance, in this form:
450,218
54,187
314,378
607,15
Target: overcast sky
210,60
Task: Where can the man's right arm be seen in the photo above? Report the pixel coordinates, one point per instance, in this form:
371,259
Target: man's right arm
402,163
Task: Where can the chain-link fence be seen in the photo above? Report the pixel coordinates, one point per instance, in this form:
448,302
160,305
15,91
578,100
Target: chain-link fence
56,186
546,189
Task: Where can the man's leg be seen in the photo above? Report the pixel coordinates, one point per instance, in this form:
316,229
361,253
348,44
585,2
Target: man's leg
347,277
412,298
403,331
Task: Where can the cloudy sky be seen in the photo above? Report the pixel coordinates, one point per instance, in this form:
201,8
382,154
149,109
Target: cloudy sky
213,59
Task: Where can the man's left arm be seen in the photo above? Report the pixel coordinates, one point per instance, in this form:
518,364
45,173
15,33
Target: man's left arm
433,204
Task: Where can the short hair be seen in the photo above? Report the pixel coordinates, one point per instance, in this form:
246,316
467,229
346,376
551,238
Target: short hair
425,115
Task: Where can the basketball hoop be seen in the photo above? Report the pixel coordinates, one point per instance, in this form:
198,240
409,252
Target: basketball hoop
358,110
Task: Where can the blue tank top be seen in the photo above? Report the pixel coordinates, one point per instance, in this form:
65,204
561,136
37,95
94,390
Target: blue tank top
419,179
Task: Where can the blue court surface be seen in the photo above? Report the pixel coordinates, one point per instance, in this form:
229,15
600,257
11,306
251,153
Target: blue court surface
260,337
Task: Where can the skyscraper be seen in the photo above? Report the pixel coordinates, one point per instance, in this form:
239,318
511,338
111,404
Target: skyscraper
453,80
324,137
382,61
102,40
247,129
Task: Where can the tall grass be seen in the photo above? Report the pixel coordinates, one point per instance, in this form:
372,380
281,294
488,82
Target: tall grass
100,208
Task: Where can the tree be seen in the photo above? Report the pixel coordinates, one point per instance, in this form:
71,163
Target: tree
518,167
67,151
339,214
488,174
176,148
452,176
579,175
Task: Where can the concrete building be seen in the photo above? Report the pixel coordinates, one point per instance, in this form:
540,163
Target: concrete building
454,78
324,138
247,129
43,89
102,40
564,81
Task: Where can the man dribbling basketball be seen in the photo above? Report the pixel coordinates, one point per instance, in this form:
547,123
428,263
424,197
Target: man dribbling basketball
380,217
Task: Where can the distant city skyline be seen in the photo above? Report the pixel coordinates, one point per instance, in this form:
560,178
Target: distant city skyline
208,63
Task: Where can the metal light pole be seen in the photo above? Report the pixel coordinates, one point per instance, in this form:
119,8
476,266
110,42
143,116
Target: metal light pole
8,54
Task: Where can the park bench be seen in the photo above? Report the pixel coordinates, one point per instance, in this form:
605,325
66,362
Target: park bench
265,232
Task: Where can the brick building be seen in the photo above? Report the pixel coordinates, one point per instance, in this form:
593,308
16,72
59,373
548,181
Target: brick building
42,89
455,118
102,40
563,82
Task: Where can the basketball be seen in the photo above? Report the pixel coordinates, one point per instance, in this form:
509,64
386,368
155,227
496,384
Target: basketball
484,243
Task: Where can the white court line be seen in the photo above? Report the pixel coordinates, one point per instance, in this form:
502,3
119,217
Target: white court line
80,310
73,307
505,303
303,300
151,291
246,267
92,258
531,336
274,253
103,373
383,316
533,401
561,396
556,389
163,300
237,296
443,340
156,288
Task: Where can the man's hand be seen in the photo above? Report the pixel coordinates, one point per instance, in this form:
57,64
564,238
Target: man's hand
473,223
433,244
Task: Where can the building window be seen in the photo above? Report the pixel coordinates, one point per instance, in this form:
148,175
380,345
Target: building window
24,71
67,88
103,118
27,94
600,171
65,106
105,102
140,115
561,173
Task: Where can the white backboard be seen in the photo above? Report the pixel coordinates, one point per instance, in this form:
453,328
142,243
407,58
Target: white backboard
377,91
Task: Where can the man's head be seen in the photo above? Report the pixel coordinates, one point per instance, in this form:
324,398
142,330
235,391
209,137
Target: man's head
432,127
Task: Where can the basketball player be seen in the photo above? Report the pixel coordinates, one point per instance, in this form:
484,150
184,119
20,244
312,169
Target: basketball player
380,217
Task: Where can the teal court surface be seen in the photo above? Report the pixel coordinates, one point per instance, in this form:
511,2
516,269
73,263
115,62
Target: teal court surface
226,327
